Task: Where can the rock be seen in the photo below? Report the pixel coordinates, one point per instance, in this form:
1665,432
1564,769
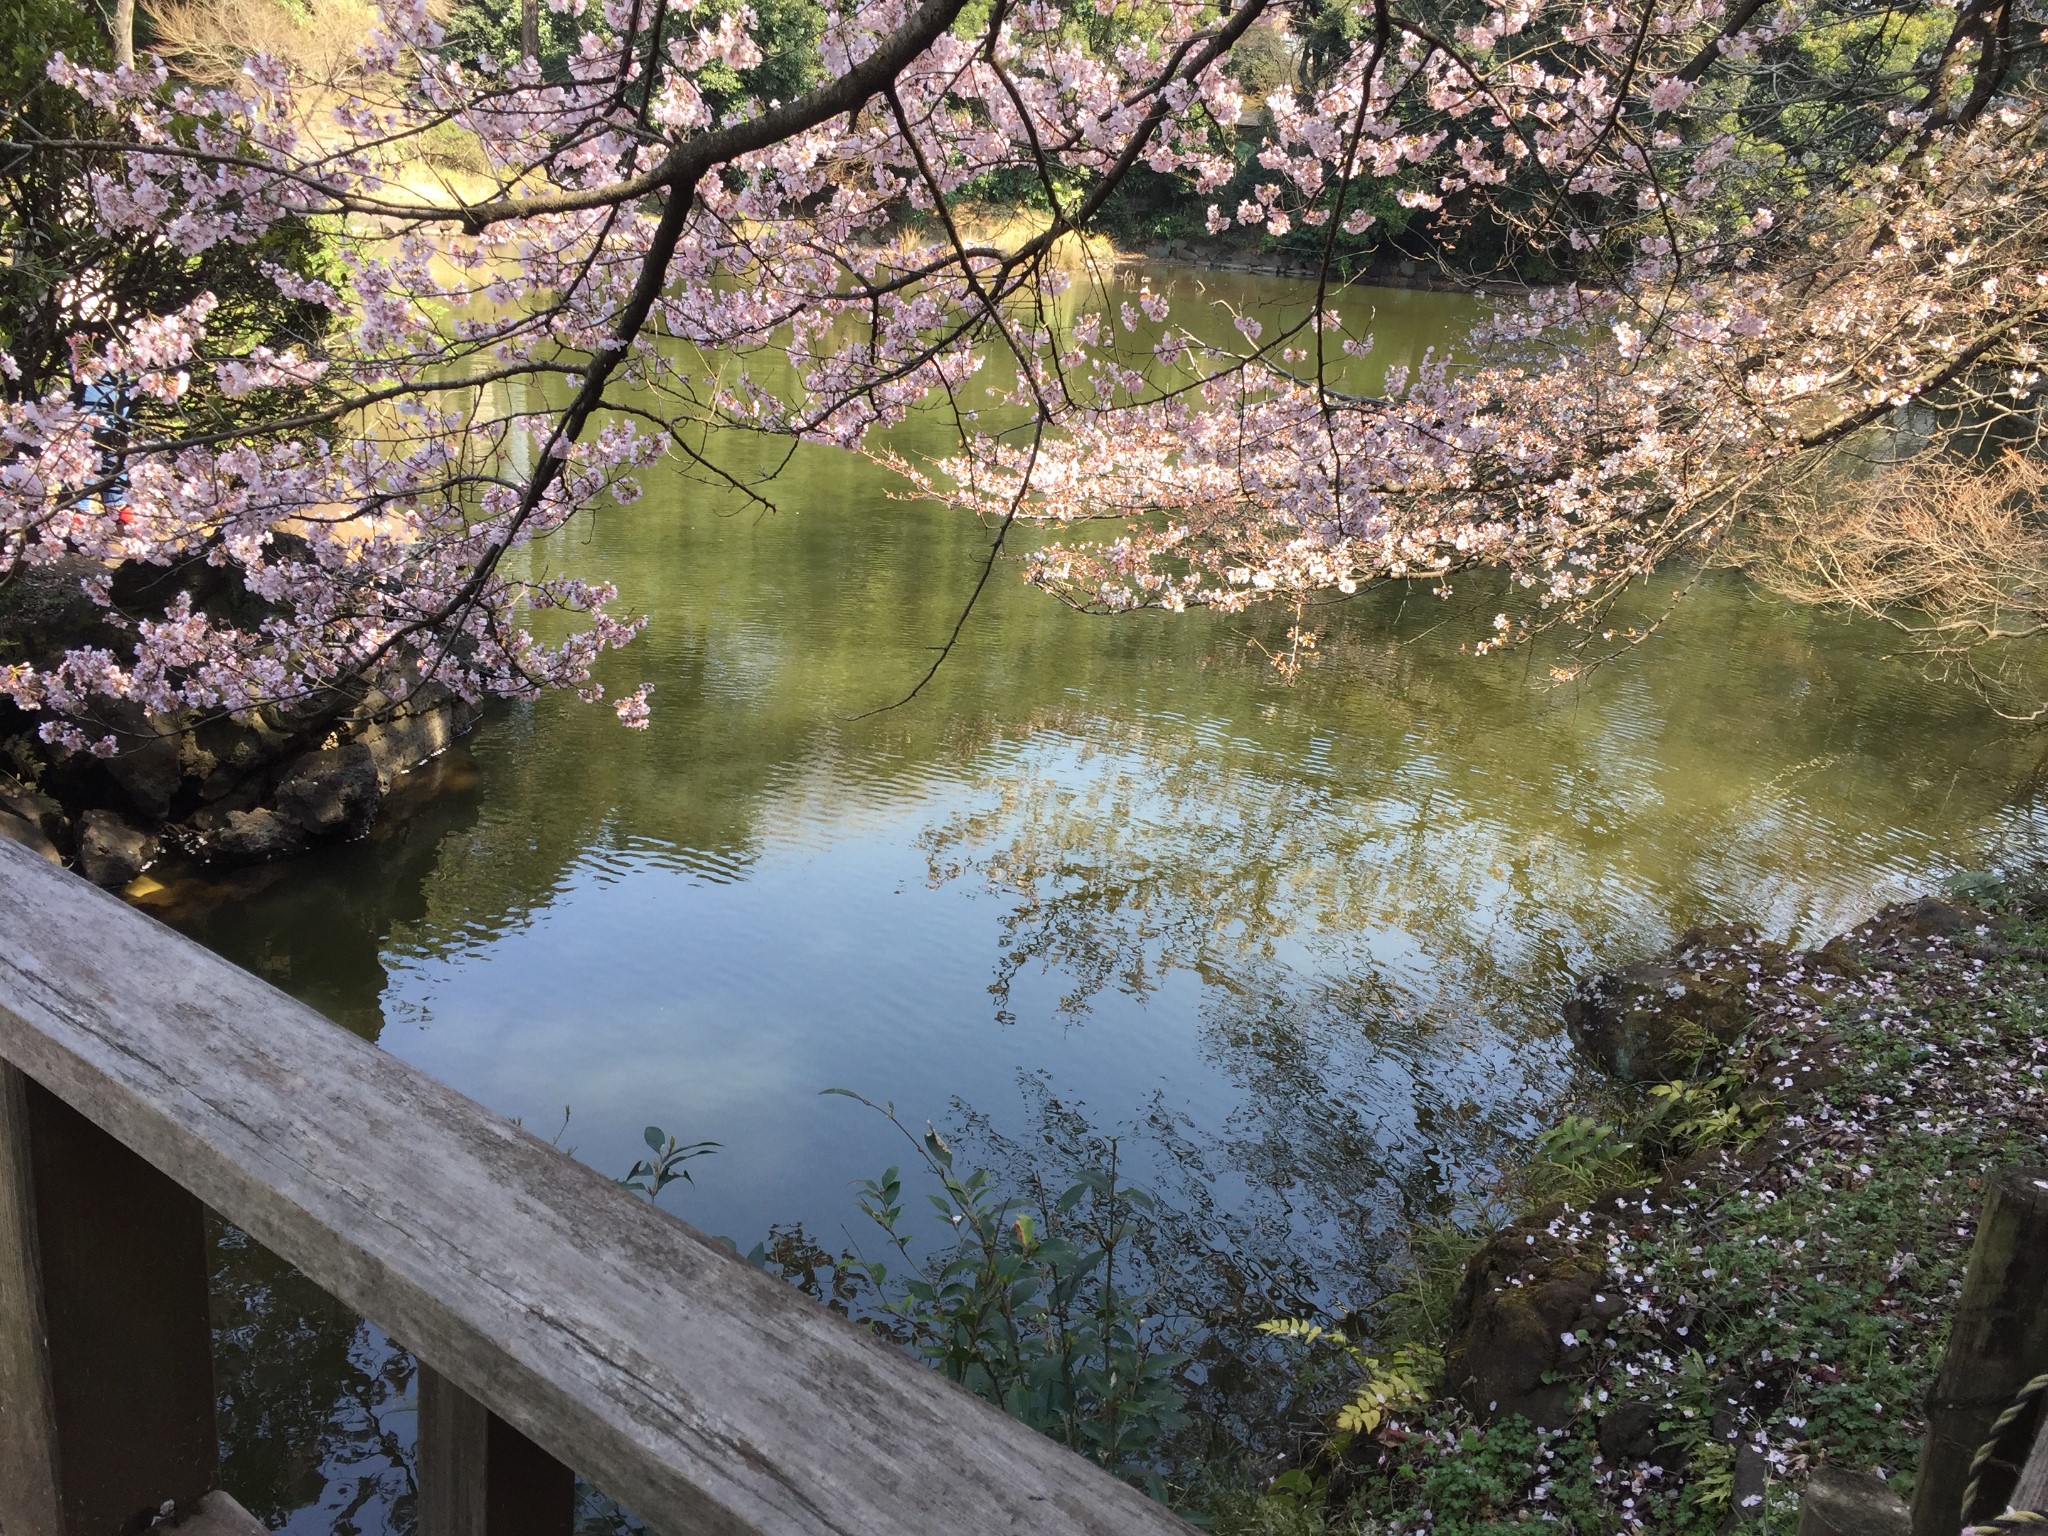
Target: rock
1908,924
37,809
197,763
1523,1312
1839,1503
29,835
1628,1432
1928,918
220,754
331,792
41,601
112,851
146,765
1652,1021
248,787
209,819
1746,1499
407,740
255,837
1730,1400
306,714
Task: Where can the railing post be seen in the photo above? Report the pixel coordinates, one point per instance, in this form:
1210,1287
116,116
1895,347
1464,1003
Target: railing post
106,1352
28,1413
478,1476
1998,1342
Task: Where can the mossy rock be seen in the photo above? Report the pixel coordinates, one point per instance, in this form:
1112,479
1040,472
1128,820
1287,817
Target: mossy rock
1525,1316
1657,1019
42,604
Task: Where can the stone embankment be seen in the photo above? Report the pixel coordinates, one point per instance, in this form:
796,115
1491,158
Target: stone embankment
1385,270
1537,1301
232,791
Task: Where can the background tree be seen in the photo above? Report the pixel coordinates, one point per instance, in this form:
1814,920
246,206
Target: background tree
71,286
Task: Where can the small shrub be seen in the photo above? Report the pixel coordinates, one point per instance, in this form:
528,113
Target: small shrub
1033,1302
1403,1378
1579,1157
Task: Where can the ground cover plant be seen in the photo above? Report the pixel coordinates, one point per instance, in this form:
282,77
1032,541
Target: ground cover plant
1773,1271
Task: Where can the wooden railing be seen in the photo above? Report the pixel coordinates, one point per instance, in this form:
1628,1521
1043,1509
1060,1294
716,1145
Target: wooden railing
560,1323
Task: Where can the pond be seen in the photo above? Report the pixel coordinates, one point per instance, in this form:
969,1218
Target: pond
1300,943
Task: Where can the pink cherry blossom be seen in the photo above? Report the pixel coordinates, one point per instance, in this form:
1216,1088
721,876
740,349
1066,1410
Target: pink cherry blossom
639,270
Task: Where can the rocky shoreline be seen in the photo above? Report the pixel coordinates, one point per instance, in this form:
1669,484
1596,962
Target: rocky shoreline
1248,251
1736,1252
233,791
1383,271
1692,1013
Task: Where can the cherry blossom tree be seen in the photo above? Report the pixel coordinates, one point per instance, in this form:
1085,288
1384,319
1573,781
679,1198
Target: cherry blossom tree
1787,223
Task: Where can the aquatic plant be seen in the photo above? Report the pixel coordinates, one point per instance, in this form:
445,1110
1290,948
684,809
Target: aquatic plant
666,1163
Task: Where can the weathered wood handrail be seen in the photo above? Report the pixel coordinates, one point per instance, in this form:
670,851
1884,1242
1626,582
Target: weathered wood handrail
702,1394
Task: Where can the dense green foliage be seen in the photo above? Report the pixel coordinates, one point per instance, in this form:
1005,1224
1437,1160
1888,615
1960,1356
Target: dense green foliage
787,32
65,278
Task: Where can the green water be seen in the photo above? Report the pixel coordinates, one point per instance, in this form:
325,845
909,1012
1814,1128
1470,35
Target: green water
1303,942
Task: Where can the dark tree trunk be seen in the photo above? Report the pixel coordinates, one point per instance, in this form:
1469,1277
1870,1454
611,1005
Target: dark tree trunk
529,27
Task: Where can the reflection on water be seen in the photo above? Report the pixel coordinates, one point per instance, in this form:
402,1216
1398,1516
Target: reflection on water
317,1411
1306,939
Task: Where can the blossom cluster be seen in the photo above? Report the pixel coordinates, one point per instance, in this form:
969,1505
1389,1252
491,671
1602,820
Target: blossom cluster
637,270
